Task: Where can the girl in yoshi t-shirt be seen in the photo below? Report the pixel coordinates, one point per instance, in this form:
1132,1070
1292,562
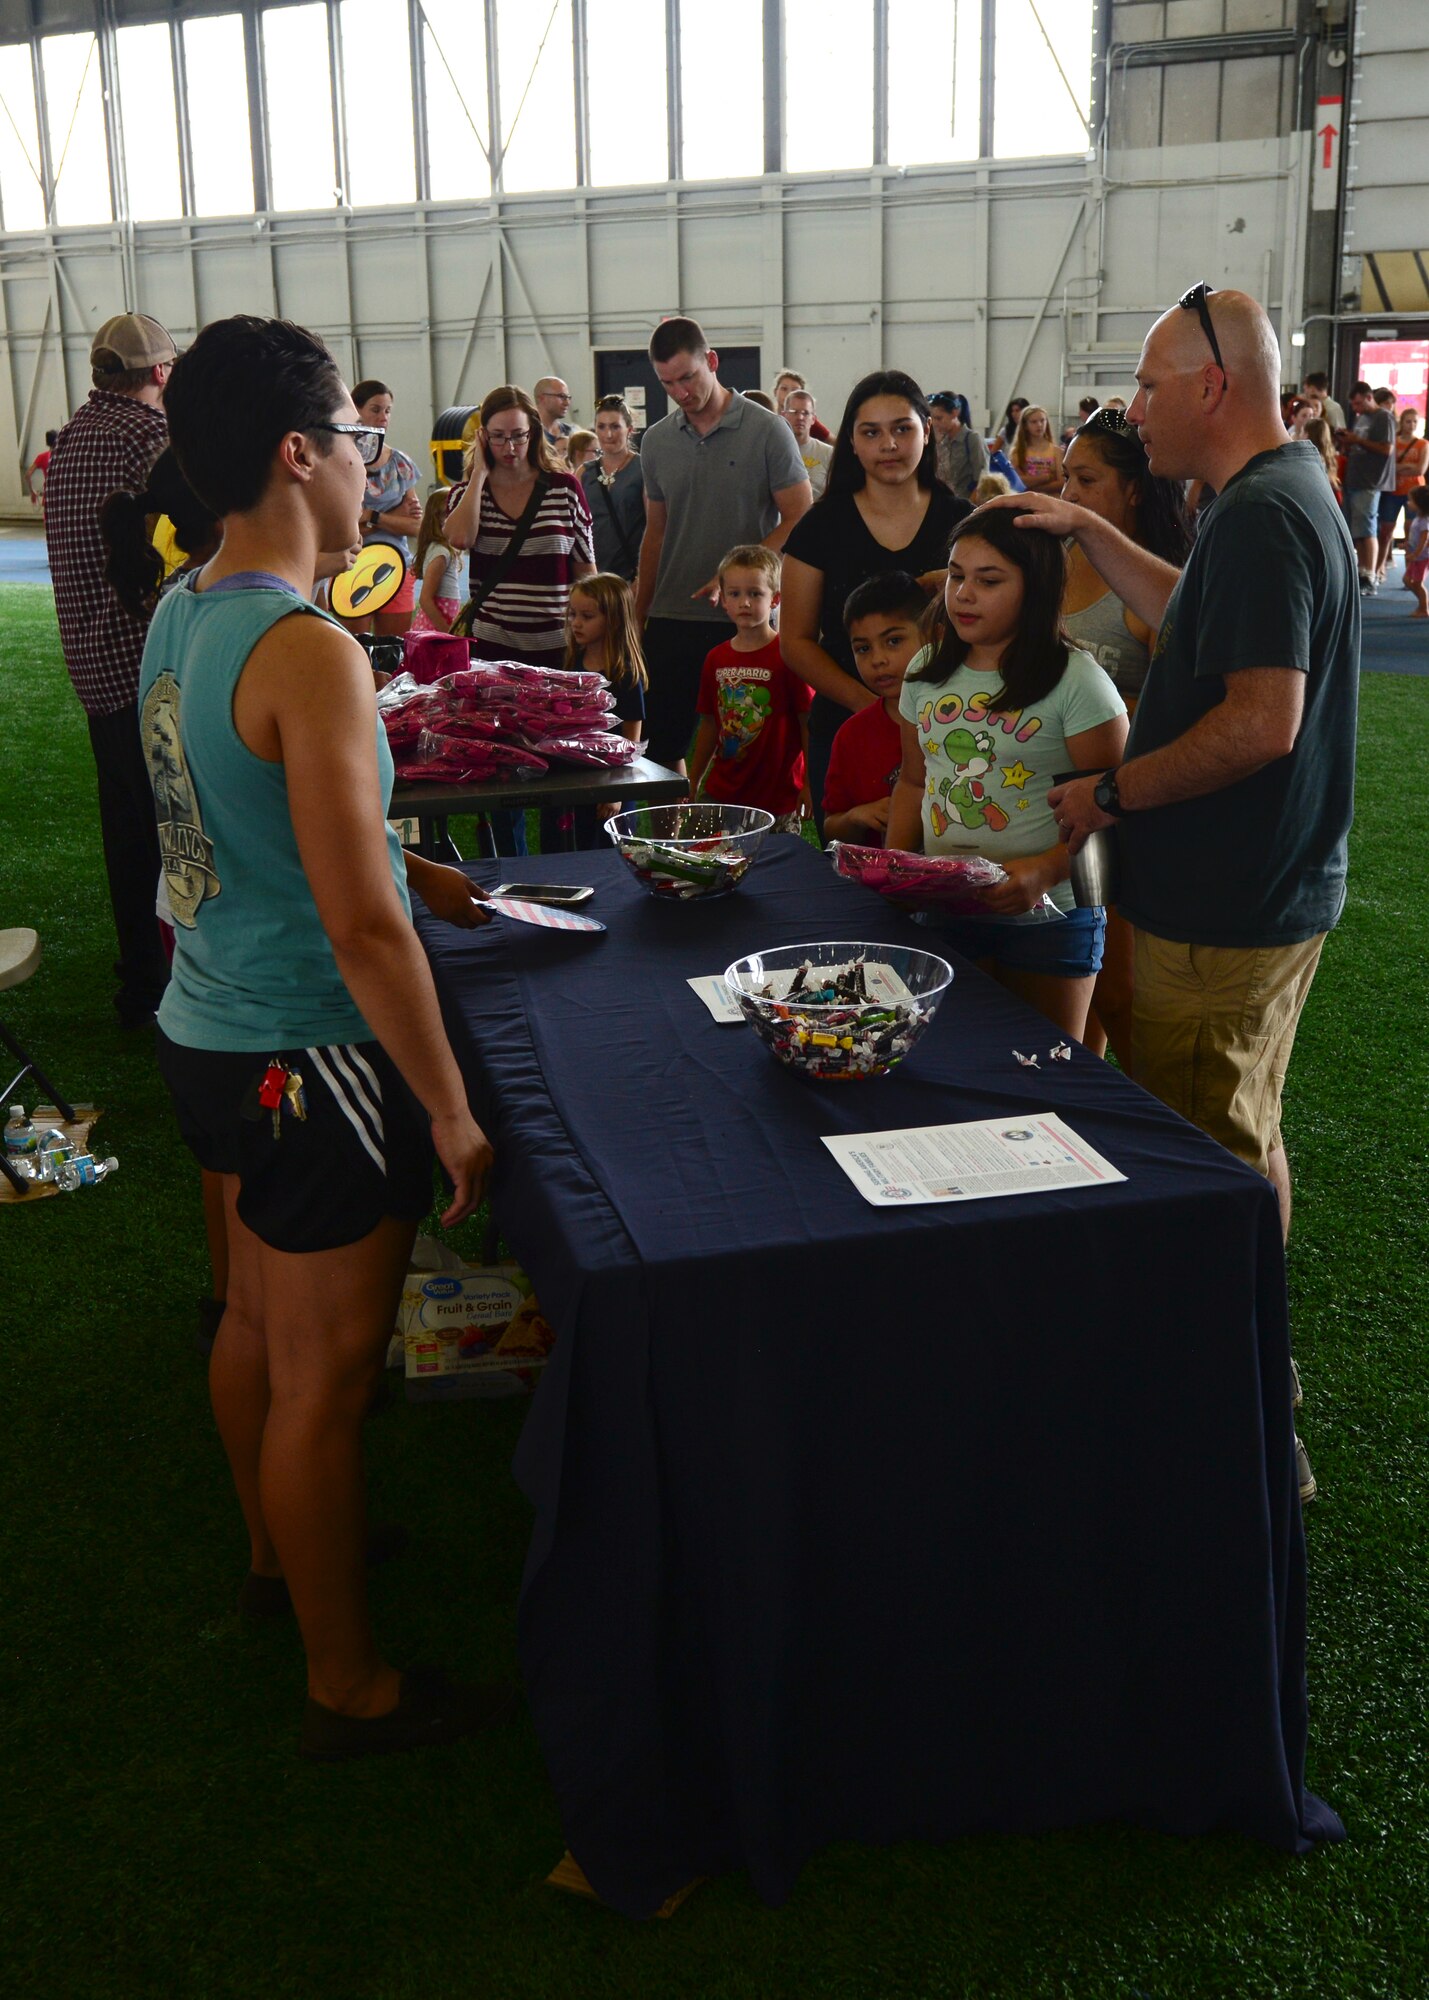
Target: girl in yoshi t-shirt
990,716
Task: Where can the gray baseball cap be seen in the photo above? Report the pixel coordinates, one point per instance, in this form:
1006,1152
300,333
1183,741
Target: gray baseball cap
130,340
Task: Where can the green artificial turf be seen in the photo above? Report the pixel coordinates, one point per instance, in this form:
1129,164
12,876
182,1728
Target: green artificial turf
164,1840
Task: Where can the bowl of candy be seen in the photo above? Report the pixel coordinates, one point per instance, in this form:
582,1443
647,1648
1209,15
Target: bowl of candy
689,853
837,1012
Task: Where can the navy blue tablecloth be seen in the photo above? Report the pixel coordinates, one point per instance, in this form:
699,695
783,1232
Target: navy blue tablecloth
861,1524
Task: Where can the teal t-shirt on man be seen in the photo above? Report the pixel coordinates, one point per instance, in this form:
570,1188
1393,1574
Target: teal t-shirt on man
1270,582
253,969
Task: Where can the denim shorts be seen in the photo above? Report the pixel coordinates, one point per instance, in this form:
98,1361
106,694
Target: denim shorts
1362,513
1069,947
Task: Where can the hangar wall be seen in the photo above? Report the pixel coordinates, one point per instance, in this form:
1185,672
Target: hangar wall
993,277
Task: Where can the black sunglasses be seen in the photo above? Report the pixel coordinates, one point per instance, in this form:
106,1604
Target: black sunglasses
369,441
1195,301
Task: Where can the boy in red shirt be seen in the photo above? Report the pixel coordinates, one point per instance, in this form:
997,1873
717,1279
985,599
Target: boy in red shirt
754,714
883,618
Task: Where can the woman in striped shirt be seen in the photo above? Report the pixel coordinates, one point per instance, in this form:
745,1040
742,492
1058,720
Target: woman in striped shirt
521,615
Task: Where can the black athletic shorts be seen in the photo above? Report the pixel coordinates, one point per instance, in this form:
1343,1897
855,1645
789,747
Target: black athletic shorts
363,1151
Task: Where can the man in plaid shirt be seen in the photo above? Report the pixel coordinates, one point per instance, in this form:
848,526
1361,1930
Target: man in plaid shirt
107,447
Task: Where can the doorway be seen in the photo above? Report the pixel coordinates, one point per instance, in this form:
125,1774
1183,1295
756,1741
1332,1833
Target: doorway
627,371
1388,356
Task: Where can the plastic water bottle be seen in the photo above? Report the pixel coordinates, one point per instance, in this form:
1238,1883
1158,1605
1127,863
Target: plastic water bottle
21,1137
51,1152
83,1171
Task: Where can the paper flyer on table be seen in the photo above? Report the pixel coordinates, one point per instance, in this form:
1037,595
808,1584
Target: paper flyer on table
1028,1152
717,997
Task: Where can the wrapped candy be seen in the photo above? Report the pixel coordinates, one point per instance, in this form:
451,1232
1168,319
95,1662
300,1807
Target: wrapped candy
948,882
594,746
499,718
465,760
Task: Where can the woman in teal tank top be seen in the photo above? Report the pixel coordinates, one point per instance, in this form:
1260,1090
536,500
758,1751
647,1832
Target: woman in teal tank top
300,1035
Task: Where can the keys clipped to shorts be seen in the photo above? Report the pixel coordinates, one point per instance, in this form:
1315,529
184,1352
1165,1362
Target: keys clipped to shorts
281,1086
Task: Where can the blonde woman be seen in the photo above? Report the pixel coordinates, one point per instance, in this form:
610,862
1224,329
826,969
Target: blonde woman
1036,454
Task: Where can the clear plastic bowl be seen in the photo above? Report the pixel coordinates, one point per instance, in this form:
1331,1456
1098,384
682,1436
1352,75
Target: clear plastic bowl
842,1038
689,853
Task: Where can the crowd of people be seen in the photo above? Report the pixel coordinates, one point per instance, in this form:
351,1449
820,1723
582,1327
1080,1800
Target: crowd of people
904,631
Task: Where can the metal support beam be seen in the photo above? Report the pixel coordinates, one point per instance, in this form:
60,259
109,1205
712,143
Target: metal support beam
257,112
1101,55
113,113
495,144
42,121
880,82
580,68
419,101
987,94
1041,313
338,94
179,62
674,122
773,86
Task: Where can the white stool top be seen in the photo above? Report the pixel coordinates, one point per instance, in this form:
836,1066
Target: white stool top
19,955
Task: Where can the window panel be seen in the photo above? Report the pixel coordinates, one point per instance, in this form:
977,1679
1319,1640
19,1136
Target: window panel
1034,111
151,131
217,80
625,67
828,91
377,93
722,90
934,80
74,117
538,118
454,70
297,87
21,189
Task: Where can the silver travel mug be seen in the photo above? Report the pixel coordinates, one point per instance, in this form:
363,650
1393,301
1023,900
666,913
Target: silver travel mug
1095,872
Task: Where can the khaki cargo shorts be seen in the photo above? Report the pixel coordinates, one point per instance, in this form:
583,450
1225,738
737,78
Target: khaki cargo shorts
1212,1031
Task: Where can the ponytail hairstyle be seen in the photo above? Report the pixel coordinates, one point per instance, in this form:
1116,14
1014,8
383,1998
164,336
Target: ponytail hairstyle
624,656
432,532
133,567
1035,657
1161,524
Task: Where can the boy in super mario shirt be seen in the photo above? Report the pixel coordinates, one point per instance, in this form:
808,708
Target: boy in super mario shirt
883,619
754,714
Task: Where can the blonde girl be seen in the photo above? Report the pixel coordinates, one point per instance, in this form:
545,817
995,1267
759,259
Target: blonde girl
581,448
440,568
991,486
1035,452
603,637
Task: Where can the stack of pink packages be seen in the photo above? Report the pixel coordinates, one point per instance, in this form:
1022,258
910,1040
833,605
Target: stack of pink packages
501,720
951,882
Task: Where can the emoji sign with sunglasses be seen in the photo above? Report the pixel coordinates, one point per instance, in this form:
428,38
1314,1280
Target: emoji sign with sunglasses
372,582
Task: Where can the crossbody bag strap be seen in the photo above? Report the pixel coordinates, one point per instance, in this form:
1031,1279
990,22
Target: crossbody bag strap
631,555
466,617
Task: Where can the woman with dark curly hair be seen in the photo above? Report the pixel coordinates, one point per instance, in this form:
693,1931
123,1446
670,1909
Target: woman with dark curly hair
882,509
1107,473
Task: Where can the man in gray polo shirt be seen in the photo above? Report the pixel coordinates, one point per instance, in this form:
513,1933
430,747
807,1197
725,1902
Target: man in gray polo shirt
719,470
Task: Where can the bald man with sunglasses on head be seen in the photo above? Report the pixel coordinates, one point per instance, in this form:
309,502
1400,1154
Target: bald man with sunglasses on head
1236,793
